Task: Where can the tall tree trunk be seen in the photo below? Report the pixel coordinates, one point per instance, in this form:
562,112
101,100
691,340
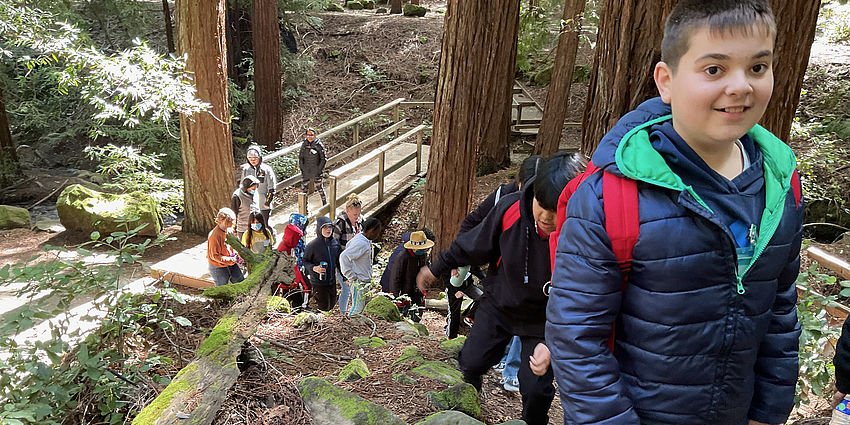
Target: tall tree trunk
10,170
395,6
471,88
558,97
206,146
169,33
494,150
267,98
628,46
795,26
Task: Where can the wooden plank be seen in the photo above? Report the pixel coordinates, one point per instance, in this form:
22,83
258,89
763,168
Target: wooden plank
359,162
831,262
181,279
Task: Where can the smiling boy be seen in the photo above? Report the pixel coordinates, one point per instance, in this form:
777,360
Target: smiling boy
704,328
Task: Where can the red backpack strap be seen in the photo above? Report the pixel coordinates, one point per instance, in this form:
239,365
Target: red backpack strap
795,186
561,215
511,216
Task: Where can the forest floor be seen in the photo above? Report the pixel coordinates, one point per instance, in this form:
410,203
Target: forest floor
406,52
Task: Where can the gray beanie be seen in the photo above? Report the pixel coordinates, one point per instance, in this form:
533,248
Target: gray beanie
254,150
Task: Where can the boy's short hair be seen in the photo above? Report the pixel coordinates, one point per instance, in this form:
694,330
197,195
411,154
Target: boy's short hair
225,214
553,175
528,168
371,223
720,16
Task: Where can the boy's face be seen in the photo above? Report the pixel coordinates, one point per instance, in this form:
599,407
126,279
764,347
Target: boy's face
544,218
721,87
327,231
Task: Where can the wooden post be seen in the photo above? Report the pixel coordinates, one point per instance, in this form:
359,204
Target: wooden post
519,113
395,118
381,161
418,152
302,203
356,133
332,200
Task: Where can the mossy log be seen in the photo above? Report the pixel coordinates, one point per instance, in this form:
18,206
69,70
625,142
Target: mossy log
196,394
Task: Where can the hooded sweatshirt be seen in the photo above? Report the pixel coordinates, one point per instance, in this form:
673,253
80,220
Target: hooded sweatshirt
698,337
311,159
320,250
265,175
515,287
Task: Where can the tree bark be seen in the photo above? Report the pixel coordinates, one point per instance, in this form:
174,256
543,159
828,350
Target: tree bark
169,33
200,388
795,26
628,47
10,169
206,146
267,97
395,6
558,96
473,94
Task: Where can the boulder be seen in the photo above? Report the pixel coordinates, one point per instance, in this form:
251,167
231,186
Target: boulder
366,342
331,405
403,378
450,417
452,347
14,217
414,10
88,210
354,5
439,371
461,397
305,319
333,7
410,355
354,370
421,329
383,308
278,304
368,4
408,329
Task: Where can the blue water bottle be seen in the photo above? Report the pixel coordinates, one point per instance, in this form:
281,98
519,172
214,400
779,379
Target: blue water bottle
324,266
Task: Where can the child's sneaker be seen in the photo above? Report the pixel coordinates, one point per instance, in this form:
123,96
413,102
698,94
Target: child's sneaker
511,384
499,367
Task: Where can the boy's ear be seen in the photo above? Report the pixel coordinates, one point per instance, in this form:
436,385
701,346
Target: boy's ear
663,76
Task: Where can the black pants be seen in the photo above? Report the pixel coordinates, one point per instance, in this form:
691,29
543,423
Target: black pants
485,346
317,182
453,319
325,297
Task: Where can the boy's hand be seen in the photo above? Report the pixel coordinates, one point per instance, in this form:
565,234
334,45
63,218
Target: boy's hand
539,361
459,294
836,398
424,278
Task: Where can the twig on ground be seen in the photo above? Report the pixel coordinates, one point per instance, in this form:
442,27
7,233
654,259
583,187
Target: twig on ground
52,192
335,357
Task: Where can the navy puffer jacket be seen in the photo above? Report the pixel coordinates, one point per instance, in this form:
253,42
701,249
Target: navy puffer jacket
695,342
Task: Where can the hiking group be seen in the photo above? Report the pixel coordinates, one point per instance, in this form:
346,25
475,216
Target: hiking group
656,283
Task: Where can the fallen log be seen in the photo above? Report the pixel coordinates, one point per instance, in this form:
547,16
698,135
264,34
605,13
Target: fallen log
830,261
197,392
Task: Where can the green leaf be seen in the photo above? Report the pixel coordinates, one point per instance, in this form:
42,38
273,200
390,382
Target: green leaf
182,321
845,292
95,235
127,258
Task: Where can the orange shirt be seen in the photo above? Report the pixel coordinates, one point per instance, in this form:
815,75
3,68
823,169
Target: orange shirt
217,248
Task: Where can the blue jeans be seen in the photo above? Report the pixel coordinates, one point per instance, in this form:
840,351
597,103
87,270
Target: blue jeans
225,275
512,359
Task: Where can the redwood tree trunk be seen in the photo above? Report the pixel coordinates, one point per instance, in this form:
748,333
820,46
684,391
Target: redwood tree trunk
10,170
558,97
628,47
395,6
795,24
267,98
471,88
206,146
169,33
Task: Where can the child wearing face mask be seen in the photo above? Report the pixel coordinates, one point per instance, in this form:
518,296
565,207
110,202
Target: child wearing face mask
403,272
242,203
260,236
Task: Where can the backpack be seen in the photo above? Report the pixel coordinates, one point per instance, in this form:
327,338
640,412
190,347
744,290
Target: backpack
622,220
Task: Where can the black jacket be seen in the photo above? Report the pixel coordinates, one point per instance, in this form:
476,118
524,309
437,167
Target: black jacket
478,214
515,287
842,360
403,275
311,159
322,249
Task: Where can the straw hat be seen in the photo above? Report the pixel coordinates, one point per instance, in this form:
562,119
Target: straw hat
418,241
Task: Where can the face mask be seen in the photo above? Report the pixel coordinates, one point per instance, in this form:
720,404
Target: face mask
251,192
420,251
256,226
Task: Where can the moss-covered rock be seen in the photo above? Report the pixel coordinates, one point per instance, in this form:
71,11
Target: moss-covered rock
278,304
331,405
408,328
414,10
14,217
368,4
333,7
439,371
450,417
410,355
461,397
404,379
354,370
354,5
366,342
87,210
452,347
383,308
306,319
421,329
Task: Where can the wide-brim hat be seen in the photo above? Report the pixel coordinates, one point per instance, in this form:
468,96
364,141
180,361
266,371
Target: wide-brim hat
418,240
